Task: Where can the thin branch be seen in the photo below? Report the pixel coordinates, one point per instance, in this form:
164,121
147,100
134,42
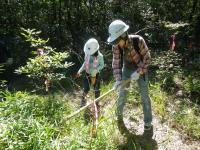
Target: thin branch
86,106
144,29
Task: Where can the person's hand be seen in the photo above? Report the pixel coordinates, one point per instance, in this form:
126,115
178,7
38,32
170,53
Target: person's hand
9,61
117,85
78,74
135,75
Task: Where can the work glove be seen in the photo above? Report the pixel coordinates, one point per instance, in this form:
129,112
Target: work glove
135,75
117,85
9,61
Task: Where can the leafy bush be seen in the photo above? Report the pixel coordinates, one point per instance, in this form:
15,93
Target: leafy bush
192,87
47,64
192,84
169,64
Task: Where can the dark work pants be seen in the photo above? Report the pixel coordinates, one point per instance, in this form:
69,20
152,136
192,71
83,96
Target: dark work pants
87,85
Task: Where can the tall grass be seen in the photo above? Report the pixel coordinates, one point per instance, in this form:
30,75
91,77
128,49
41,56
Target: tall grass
38,122
34,122
30,121
179,111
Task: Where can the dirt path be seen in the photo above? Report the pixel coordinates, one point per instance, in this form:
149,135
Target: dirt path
162,137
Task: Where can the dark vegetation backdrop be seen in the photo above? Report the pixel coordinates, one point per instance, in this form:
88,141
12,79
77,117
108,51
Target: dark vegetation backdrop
70,23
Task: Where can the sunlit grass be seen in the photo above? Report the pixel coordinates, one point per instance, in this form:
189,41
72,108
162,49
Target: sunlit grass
188,119
159,100
185,117
29,121
38,122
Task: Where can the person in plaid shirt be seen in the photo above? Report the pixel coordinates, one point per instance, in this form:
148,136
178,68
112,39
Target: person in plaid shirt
131,58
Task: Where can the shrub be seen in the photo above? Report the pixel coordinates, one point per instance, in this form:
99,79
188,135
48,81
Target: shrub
169,63
47,64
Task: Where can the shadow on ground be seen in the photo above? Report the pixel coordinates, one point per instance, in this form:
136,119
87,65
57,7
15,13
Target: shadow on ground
139,142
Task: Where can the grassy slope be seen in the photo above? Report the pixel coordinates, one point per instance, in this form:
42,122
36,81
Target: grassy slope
38,122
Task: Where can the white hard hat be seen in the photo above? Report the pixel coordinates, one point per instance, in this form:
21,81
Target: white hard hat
116,29
91,46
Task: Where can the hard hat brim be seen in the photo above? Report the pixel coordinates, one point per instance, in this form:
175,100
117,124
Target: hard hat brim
113,38
86,52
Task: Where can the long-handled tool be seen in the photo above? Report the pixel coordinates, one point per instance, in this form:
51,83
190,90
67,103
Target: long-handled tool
86,106
96,100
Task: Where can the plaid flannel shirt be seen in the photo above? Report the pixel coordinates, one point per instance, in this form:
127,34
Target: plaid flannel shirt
131,57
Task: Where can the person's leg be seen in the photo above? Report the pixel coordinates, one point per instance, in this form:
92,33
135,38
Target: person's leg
86,88
122,100
122,93
146,102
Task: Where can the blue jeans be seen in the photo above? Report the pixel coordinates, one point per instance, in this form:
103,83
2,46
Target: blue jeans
143,90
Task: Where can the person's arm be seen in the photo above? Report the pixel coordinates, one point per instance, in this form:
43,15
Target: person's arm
82,68
116,63
146,57
101,63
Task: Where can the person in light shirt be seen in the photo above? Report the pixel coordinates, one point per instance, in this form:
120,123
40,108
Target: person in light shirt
92,67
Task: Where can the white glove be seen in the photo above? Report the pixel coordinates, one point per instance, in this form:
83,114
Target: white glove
135,75
9,61
117,85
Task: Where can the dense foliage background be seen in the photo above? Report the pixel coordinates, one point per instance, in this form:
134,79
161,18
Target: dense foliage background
68,24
